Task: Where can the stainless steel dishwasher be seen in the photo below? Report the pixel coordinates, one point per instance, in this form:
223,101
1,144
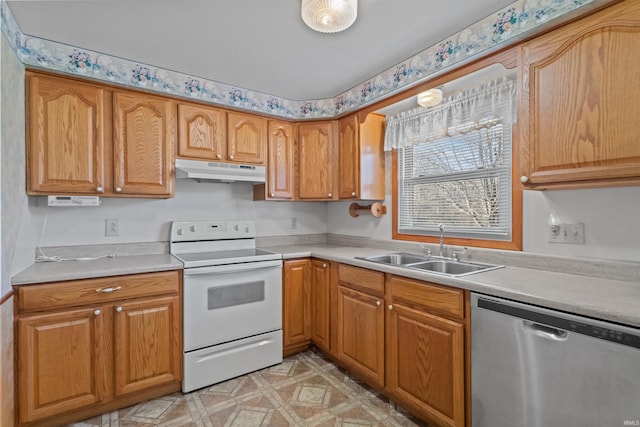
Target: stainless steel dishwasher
535,367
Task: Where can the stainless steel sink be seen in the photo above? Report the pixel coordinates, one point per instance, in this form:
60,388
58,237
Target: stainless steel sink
399,258
449,267
453,268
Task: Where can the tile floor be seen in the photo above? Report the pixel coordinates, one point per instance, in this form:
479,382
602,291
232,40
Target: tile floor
305,390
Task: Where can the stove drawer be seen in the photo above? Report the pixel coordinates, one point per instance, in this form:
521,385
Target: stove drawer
95,291
221,362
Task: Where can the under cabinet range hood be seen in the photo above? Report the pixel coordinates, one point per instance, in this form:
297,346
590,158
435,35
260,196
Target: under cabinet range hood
202,170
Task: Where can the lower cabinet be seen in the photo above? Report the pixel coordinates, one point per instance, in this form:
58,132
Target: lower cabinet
360,322
306,305
296,306
320,294
146,342
88,346
405,337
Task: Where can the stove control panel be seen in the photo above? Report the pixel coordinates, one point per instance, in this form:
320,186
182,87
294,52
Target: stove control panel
191,231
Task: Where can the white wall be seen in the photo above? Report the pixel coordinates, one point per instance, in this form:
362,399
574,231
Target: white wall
148,220
13,200
611,217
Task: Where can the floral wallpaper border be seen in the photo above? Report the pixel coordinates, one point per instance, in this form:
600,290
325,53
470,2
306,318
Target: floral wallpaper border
518,18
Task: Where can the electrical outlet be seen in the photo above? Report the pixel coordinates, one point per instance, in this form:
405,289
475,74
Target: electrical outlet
293,223
566,233
111,227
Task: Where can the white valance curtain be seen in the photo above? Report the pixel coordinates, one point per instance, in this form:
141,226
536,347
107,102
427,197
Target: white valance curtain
463,112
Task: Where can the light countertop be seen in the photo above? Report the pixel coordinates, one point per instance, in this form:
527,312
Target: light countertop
612,300
42,272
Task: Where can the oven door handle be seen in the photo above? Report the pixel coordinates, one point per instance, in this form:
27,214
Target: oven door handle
232,268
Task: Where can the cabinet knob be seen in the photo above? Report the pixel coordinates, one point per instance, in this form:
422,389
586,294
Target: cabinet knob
524,179
324,265
219,156
353,193
272,195
378,303
118,189
119,309
330,195
231,157
390,307
97,312
100,189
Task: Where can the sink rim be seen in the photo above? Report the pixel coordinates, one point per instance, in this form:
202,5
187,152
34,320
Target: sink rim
483,267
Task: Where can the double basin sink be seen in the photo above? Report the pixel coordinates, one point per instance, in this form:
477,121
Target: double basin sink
449,267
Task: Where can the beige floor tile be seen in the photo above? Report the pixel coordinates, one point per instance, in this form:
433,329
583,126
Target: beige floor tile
306,390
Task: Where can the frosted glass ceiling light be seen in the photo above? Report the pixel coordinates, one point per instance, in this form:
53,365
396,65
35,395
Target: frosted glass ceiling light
329,16
430,98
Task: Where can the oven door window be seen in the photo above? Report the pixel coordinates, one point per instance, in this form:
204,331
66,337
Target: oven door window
234,295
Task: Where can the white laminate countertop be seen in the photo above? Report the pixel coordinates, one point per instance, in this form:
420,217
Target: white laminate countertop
611,300
44,272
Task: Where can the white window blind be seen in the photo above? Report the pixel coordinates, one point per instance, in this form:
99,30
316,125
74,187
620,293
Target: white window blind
459,176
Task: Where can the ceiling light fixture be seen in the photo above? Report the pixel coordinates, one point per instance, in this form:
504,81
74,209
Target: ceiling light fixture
430,98
329,16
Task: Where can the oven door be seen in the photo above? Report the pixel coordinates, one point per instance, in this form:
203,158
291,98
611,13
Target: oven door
228,302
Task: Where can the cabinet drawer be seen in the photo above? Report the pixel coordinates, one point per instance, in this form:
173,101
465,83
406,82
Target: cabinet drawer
425,295
359,278
95,291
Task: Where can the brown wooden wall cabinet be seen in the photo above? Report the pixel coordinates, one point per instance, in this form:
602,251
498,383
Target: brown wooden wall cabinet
89,346
578,117
361,157
316,159
143,144
202,132
281,159
88,139
247,138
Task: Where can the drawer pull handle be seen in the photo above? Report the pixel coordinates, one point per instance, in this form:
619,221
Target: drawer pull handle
324,265
119,309
390,307
378,303
108,290
97,312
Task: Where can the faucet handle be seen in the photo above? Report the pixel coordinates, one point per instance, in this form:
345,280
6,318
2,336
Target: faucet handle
425,249
456,254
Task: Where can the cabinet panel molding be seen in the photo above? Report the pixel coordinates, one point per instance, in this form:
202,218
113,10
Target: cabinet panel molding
201,132
577,117
65,136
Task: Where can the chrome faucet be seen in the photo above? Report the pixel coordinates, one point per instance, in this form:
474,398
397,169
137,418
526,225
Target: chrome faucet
441,228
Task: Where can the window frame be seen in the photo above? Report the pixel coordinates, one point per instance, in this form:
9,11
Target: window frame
514,244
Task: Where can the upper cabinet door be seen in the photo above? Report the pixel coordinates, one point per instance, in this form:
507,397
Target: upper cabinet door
247,138
201,132
280,172
348,158
315,161
65,136
143,141
579,110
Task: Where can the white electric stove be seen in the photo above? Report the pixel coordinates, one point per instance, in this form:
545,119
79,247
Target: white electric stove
232,297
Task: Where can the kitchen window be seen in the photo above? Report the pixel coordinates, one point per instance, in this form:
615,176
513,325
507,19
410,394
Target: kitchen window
453,166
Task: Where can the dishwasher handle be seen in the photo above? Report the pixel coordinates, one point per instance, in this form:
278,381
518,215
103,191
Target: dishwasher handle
545,331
